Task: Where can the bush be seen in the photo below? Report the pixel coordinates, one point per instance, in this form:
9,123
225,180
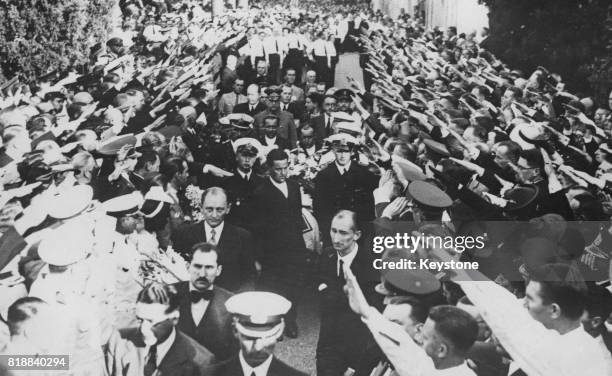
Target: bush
39,36
565,36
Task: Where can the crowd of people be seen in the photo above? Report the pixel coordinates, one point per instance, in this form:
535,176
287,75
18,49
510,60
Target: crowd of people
166,212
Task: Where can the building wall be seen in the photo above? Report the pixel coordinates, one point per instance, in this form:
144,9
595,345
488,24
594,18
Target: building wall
467,15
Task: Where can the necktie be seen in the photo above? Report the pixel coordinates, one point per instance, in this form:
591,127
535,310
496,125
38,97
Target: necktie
196,296
341,273
213,235
151,364
328,125
252,108
253,373
236,101
246,178
276,44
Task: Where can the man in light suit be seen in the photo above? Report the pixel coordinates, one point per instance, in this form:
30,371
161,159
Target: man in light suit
203,315
234,244
157,347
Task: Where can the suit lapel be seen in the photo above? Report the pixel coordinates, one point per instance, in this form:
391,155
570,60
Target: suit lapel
176,355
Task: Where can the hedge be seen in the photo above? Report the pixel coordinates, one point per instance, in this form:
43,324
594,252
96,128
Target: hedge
39,36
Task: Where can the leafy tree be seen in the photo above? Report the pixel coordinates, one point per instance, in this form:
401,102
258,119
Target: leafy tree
38,36
568,37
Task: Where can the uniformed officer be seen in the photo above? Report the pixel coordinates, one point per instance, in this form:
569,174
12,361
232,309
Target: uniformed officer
241,186
258,323
343,184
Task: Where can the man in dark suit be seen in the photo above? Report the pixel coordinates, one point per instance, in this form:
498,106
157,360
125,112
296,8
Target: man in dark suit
203,315
322,124
156,346
241,187
291,104
343,185
342,335
270,137
234,244
253,106
277,225
257,339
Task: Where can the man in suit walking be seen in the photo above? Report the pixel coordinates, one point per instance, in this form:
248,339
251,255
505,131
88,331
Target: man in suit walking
343,185
342,335
203,315
234,244
258,323
253,106
156,347
322,124
277,226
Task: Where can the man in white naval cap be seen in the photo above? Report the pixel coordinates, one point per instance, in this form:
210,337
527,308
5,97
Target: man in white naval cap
258,324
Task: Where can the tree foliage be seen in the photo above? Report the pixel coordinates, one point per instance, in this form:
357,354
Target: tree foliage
38,36
569,37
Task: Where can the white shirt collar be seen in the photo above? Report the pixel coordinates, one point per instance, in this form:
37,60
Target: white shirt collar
270,141
243,174
281,186
260,370
164,347
343,168
218,230
348,259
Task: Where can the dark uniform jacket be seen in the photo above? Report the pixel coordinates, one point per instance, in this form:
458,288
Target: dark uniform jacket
240,194
215,330
233,367
277,222
352,191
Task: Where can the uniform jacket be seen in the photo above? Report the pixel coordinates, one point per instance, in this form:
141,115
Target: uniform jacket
277,222
352,191
240,194
214,331
232,367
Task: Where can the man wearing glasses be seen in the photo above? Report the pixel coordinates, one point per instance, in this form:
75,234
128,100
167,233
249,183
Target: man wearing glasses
156,346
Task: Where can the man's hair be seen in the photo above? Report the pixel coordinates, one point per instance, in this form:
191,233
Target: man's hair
514,149
306,127
271,117
533,157
21,311
456,326
253,87
213,191
420,308
148,156
276,155
204,248
329,96
517,92
563,286
159,293
599,302
350,214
